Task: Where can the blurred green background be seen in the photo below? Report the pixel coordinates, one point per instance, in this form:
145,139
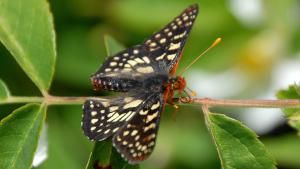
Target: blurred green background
259,54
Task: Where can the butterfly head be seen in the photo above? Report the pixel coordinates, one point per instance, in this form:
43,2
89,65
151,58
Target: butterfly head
177,83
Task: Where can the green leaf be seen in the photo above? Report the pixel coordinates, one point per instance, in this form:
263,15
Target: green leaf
103,154
112,46
292,114
4,92
19,134
237,145
27,31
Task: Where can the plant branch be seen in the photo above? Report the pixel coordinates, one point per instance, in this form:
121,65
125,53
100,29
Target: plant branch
285,103
61,100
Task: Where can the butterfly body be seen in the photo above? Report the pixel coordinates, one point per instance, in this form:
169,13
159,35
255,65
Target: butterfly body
146,74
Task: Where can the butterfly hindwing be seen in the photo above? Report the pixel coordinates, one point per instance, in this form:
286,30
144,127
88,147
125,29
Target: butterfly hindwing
167,44
136,139
102,118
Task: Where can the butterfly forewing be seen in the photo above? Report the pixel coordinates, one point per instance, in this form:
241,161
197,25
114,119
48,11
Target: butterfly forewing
166,45
121,71
136,139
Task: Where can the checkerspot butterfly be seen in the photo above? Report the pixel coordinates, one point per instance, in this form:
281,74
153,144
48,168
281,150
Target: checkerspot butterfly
146,74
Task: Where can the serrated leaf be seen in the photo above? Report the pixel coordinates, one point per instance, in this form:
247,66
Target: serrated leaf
292,114
4,92
27,31
19,134
103,154
237,145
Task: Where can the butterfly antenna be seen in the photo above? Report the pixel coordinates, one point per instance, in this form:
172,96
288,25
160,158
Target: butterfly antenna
216,42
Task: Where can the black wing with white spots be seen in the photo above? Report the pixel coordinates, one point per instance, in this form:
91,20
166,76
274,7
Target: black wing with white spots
136,139
167,44
104,117
121,71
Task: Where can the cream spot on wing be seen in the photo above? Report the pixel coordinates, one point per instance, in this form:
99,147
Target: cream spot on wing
116,58
146,59
134,103
134,132
113,63
93,128
128,99
130,116
151,126
138,60
151,117
151,144
116,129
118,118
98,131
116,115
113,108
132,62
153,44
143,112
105,104
163,40
106,131
185,18
166,30
107,70
170,34
130,145
157,35
135,51
110,114
147,69
120,64
124,143
125,133
125,54
171,57
94,121
180,35
126,70
93,113
102,111
137,137
160,57
127,65
174,46
174,27
126,115
155,106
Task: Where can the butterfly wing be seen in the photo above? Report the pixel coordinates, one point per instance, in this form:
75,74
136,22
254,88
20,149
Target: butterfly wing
135,141
104,117
167,44
123,71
